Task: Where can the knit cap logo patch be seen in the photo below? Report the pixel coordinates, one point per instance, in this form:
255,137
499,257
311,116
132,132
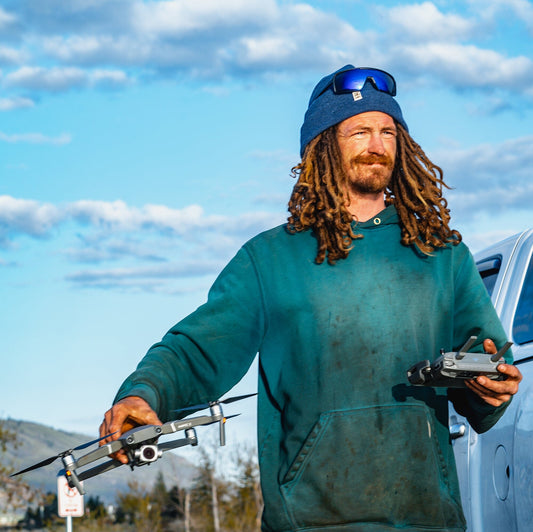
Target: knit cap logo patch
357,96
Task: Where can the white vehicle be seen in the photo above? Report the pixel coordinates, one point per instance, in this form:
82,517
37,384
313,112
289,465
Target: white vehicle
496,468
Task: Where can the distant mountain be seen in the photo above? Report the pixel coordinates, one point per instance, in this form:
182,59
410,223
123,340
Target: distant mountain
39,442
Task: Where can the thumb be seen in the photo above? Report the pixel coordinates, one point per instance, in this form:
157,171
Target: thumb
489,346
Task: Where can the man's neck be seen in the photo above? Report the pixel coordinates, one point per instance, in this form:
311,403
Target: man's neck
363,207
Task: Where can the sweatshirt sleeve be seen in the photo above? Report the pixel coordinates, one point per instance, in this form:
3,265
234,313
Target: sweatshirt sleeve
209,351
475,316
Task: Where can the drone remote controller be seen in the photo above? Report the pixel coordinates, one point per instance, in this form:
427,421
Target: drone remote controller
452,369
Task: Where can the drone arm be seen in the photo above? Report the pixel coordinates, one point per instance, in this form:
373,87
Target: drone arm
101,452
175,426
190,439
101,468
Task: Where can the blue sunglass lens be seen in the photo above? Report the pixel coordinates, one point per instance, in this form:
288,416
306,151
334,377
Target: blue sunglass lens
355,79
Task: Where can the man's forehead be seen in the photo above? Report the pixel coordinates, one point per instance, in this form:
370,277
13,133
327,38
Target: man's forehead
375,119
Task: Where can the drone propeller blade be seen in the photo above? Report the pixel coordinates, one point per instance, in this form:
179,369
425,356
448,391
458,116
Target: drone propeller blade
194,407
237,398
207,405
64,453
89,443
223,420
36,466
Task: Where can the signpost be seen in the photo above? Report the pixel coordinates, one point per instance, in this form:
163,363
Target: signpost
69,501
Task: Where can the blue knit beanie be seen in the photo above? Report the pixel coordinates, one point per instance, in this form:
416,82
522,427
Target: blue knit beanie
328,109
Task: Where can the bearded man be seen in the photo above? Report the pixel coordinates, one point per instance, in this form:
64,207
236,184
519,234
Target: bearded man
364,280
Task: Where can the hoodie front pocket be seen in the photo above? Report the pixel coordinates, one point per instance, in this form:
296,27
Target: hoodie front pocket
377,464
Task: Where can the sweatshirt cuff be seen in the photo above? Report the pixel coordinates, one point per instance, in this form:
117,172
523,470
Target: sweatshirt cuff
144,391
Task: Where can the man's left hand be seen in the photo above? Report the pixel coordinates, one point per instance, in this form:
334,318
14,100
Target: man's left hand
494,392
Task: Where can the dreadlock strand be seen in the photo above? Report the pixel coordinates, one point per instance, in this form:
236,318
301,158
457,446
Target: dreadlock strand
417,193
318,201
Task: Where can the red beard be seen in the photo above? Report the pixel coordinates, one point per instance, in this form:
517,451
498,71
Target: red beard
370,174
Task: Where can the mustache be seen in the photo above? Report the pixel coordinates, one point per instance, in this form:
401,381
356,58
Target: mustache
374,159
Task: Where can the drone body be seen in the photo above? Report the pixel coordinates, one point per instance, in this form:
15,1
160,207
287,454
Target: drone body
140,445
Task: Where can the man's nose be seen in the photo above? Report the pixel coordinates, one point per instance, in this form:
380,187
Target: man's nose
375,145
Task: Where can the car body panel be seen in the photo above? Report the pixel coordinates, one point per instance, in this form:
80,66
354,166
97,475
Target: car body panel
496,468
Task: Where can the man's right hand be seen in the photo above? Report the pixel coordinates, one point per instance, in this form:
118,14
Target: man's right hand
126,414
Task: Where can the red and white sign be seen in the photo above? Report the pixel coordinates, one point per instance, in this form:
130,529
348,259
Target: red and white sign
69,500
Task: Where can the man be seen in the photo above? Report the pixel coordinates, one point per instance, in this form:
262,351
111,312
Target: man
366,279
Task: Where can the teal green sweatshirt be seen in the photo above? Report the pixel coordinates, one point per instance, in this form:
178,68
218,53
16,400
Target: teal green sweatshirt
345,442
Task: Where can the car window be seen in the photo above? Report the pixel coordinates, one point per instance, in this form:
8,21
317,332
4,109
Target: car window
489,269
523,319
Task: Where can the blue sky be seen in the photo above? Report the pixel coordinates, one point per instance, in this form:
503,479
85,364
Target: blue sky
142,142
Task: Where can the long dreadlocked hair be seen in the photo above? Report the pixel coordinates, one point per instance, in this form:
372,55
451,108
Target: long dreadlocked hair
318,200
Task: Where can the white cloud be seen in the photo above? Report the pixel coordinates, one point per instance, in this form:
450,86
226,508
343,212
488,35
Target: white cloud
184,268
109,78
301,37
21,216
131,237
489,180
112,44
109,218
467,66
6,18
209,39
424,22
507,163
53,79
91,249
427,43
57,79
118,216
9,104
99,49
11,55
181,17
491,10
35,138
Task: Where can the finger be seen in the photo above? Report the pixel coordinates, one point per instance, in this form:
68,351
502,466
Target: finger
490,398
139,411
114,419
489,346
113,423
507,386
141,415
126,414
512,372
475,386
500,390
121,456
104,428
